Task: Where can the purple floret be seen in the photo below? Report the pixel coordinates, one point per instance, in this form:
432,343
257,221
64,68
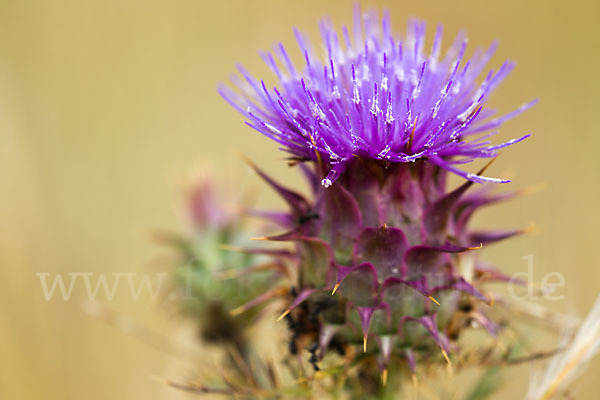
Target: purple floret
378,97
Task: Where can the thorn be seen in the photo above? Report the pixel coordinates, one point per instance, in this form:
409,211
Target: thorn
447,358
430,297
486,166
365,344
283,315
236,311
475,111
492,299
529,228
412,136
260,238
335,288
532,189
384,377
317,154
245,158
319,159
476,247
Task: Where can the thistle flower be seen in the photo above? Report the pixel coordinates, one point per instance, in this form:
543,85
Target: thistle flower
208,275
383,249
378,98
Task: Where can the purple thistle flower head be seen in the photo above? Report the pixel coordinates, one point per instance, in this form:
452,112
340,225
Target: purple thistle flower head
387,252
379,97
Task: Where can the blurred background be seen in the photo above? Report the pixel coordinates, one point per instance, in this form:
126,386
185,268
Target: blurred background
105,105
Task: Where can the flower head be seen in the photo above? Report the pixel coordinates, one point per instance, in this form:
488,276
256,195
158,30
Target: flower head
209,271
379,97
384,261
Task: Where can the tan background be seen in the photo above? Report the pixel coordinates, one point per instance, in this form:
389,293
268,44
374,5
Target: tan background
105,104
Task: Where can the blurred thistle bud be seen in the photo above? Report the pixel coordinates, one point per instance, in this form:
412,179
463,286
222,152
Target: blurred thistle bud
203,207
210,270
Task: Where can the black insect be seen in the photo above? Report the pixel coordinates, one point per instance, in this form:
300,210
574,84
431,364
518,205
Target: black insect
312,349
303,219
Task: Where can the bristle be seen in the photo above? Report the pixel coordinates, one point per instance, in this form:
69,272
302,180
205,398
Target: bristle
446,357
384,377
260,238
335,288
284,314
433,299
